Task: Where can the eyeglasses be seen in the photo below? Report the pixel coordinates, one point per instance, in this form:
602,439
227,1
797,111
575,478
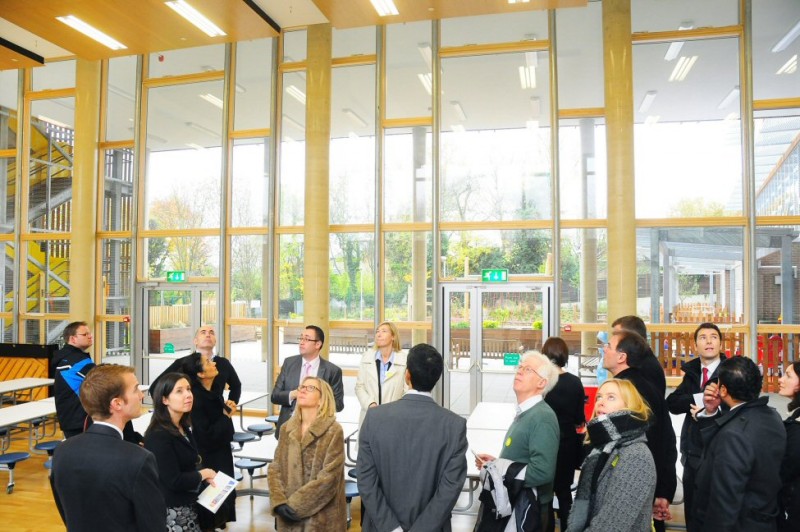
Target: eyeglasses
528,370
306,339
308,388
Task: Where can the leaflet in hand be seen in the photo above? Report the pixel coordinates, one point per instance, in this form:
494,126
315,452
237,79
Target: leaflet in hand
213,496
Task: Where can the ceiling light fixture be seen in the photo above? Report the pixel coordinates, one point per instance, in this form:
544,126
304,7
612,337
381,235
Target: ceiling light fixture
462,116
675,48
203,129
196,18
518,1
527,77
651,120
90,31
647,101
729,99
354,117
294,123
296,93
426,53
385,8
213,100
536,106
427,82
790,67
682,68
787,39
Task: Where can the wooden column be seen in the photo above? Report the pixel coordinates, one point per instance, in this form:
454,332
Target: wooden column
617,57
316,275
83,264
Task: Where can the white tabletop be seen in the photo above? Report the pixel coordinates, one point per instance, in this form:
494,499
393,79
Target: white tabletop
12,415
15,385
495,416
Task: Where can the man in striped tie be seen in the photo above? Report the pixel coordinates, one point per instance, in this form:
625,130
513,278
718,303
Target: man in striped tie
698,373
308,363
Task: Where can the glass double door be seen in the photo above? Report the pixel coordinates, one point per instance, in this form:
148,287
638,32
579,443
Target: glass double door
486,329
171,315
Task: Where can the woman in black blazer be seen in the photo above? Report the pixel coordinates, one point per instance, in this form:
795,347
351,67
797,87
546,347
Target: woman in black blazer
566,399
789,496
169,437
213,430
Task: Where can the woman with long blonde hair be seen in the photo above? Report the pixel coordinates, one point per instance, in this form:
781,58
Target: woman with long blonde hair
306,478
618,477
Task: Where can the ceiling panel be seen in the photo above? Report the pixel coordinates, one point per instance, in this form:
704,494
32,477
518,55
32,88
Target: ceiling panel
143,26
355,13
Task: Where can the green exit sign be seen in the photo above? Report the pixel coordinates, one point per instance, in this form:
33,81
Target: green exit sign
494,275
176,277
511,359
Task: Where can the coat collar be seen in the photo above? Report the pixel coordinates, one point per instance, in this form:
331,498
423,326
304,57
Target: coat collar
320,425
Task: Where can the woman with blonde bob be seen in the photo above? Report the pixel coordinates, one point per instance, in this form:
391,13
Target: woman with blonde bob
618,477
306,478
382,370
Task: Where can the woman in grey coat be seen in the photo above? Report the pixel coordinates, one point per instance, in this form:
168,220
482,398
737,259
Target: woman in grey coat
618,477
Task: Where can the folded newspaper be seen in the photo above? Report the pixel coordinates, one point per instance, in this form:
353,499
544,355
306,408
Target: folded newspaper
213,496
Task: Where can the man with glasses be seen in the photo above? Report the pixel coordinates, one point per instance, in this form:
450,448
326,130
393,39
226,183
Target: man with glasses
307,364
532,438
71,364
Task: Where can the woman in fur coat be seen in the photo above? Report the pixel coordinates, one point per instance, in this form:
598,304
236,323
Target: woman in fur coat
306,478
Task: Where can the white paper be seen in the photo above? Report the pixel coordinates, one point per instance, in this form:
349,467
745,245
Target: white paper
698,399
213,496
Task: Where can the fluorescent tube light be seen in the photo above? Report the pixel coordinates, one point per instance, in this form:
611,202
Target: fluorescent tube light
294,123
651,120
213,100
90,31
675,47
202,129
729,99
647,101
385,7
527,77
790,67
426,53
682,68
195,146
427,82
518,1
787,39
196,18
459,110
354,116
296,93
536,106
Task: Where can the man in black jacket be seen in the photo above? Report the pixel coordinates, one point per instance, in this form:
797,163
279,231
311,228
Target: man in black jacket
623,355
738,479
688,399
71,363
649,366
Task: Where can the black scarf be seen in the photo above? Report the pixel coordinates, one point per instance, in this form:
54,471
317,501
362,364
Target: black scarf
606,435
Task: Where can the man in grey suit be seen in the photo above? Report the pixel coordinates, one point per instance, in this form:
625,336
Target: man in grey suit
411,455
307,364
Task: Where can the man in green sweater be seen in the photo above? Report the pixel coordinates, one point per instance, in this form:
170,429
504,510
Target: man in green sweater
533,436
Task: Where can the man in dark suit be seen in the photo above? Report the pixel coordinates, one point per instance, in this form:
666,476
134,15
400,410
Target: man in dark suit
622,357
649,366
739,476
411,455
205,340
101,482
687,398
307,364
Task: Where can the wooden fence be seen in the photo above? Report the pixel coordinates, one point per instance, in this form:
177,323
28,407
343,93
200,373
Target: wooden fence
171,316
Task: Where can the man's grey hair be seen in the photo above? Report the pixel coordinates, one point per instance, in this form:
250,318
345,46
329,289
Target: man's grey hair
547,370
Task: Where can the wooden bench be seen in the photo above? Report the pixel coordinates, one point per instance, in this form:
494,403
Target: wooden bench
349,343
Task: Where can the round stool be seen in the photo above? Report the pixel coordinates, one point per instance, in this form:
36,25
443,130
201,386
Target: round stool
271,419
47,446
243,437
353,473
10,461
261,428
246,464
350,492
